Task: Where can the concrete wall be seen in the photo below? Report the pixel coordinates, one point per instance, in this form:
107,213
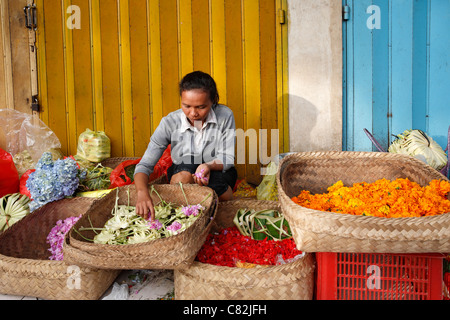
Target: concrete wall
315,75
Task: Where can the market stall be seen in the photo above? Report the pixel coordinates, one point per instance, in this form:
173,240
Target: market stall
321,225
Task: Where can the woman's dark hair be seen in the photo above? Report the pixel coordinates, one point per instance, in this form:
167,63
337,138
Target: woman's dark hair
200,80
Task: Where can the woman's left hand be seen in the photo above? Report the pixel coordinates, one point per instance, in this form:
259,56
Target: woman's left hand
201,175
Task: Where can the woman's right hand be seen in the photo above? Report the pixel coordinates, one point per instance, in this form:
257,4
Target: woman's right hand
144,205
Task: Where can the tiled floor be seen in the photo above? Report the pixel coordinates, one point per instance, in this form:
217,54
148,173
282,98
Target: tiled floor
139,285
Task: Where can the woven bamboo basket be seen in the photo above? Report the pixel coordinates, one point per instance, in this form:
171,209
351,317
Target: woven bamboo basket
290,281
316,231
25,268
115,161
174,252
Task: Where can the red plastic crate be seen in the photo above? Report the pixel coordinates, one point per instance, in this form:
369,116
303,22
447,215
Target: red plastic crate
374,276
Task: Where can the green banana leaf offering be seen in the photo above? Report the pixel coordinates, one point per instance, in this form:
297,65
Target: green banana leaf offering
262,224
97,178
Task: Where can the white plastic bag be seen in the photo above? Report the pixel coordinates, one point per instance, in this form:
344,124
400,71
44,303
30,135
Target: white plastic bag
26,140
267,189
94,146
119,292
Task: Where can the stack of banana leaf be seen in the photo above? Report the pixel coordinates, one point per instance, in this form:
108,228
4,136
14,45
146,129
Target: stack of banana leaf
262,224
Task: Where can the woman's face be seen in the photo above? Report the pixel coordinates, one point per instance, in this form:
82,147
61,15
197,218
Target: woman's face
196,105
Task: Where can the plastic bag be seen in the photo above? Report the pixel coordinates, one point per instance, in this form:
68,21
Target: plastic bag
281,261
26,139
243,189
94,146
9,178
123,174
267,189
119,292
23,183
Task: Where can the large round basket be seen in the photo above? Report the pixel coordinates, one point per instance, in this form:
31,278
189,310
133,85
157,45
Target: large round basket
115,161
290,281
174,252
317,231
25,268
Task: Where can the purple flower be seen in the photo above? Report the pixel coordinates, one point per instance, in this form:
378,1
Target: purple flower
56,237
192,210
155,224
174,226
200,175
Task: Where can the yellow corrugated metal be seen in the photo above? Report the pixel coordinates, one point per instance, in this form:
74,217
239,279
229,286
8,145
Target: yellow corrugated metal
140,82
186,37
96,61
119,72
155,69
125,76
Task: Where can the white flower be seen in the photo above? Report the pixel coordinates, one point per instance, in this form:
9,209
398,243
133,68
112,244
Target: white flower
117,223
126,211
142,236
104,237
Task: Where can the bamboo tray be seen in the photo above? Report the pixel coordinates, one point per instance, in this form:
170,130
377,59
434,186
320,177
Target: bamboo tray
317,231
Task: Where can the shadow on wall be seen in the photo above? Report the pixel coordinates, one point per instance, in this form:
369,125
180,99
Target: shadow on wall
303,117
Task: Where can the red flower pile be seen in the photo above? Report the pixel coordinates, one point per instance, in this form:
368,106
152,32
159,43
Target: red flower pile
230,246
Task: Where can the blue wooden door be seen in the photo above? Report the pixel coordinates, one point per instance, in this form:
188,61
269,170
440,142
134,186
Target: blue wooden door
396,70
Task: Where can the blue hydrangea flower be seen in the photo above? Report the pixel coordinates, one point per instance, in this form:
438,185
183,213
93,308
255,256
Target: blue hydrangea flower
52,180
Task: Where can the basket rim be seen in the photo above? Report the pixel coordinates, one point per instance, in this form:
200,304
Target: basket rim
259,267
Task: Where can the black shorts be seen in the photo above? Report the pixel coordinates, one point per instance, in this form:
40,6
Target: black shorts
219,181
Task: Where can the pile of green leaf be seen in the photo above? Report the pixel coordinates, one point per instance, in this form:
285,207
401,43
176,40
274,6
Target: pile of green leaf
129,171
97,178
262,224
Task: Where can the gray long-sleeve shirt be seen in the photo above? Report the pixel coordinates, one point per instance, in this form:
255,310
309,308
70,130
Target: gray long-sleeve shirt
215,141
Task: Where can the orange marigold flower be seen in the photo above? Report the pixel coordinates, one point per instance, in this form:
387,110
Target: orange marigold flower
382,198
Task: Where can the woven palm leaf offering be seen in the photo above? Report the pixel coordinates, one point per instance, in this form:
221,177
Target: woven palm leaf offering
364,202
113,236
262,224
251,260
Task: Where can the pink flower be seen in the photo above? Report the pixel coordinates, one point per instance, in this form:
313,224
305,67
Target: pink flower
192,210
56,237
156,224
174,226
200,175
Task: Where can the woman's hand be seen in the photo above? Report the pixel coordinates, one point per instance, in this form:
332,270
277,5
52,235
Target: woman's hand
201,175
144,205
